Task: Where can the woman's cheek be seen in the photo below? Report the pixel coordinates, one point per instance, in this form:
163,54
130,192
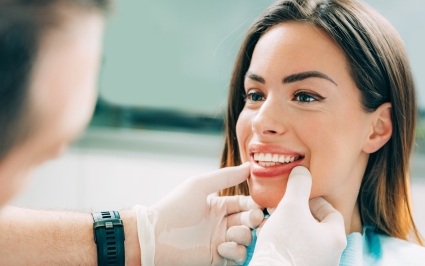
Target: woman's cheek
243,133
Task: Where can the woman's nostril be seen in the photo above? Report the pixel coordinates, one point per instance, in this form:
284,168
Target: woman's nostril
270,132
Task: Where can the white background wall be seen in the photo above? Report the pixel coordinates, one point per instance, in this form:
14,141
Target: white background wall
110,169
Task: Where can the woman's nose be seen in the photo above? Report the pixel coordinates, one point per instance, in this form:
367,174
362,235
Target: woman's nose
269,121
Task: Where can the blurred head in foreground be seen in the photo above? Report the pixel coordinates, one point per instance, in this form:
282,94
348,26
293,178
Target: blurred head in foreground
49,58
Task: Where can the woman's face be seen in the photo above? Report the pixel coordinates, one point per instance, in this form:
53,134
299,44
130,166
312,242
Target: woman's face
302,108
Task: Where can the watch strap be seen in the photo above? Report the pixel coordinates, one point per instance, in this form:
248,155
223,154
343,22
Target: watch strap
109,238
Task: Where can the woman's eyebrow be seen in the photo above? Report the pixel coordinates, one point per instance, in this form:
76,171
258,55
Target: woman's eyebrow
255,77
305,75
292,78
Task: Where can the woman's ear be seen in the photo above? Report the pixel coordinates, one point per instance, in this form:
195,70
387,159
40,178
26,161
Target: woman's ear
382,128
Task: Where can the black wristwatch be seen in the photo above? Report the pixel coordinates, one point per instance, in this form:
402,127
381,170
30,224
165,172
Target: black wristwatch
109,237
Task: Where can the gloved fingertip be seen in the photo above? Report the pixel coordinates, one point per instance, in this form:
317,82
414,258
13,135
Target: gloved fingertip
249,203
254,218
225,247
232,251
246,164
245,167
299,186
240,261
300,170
270,210
239,234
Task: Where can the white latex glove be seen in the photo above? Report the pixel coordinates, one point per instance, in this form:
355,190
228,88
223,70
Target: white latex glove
301,232
238,238
186,227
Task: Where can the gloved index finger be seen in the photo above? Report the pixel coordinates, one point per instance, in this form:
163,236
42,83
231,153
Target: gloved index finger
224,178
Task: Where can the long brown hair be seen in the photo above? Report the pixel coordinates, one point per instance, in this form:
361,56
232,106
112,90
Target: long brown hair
379,66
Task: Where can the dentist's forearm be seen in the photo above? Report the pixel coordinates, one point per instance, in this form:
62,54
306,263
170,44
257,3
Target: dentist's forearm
33,237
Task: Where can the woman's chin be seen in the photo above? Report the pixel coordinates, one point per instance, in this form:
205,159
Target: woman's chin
267,194
267,200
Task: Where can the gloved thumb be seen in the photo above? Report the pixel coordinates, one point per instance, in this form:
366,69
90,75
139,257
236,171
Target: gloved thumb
298,188
324,212
224,178
296,196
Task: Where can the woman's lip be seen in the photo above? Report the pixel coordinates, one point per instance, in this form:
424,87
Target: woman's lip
273,171
266,148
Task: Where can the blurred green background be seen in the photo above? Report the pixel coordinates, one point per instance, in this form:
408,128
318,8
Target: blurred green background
167,63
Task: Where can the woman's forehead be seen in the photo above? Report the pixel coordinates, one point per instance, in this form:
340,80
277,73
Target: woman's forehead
297,47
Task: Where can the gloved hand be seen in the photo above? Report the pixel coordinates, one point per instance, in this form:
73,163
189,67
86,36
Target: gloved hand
186,227
299,234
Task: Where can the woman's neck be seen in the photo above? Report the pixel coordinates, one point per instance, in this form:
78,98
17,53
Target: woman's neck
356,221
350,212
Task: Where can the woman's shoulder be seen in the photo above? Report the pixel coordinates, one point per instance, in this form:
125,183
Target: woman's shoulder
379,249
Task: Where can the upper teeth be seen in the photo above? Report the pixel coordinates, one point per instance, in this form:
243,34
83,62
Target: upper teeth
269,157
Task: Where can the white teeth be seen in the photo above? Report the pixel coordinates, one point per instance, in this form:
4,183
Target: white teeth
266,164
281,159
268,159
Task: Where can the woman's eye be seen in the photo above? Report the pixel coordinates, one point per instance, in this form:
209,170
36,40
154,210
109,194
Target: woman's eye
305,97
254,96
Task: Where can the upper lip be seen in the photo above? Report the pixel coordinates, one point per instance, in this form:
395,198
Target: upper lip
272,149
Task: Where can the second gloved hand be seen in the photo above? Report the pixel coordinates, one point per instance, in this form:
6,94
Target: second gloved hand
301,232
186,227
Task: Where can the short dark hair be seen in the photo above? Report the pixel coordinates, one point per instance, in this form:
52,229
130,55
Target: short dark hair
22,24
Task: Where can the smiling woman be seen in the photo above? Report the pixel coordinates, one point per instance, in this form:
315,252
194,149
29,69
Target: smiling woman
302,114
327,85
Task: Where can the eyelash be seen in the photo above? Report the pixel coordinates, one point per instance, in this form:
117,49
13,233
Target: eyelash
297,96
304,94
249,96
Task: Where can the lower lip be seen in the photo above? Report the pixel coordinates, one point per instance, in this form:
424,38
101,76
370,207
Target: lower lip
272,171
